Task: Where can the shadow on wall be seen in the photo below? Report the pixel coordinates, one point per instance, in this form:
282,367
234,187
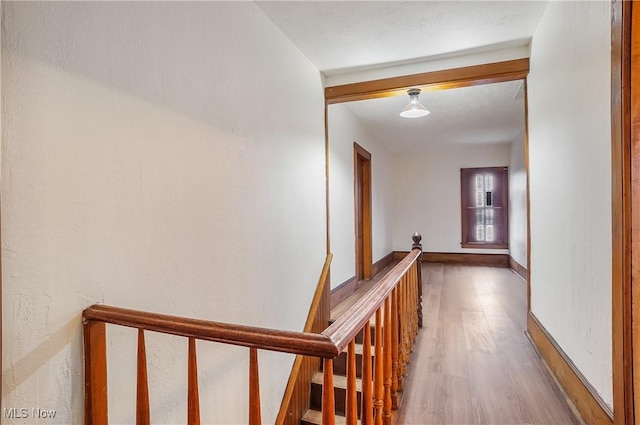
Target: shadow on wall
69,335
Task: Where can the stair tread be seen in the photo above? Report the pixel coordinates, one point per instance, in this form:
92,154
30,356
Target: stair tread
315,417
339,381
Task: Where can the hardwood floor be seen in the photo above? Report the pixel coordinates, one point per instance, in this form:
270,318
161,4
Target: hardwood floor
472,362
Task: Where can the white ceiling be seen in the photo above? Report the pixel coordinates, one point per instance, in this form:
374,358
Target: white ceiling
343,36
486,114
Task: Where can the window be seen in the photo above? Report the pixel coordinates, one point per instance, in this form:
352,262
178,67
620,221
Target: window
484,201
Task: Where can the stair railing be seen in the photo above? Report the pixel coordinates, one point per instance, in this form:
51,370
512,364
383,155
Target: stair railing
394,302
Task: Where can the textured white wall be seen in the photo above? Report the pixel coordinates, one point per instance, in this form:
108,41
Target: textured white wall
427,194
570,172
160,156
344,129
518,202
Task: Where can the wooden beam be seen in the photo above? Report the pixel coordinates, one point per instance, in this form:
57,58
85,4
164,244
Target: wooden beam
496,72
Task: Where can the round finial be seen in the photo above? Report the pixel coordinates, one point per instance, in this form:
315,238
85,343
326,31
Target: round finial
417,237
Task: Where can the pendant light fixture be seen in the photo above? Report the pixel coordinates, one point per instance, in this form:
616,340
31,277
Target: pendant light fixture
414,109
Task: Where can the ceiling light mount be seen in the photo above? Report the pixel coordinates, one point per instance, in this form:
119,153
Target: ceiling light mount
414,109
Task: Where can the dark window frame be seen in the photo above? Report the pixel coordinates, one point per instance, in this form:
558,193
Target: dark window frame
465,181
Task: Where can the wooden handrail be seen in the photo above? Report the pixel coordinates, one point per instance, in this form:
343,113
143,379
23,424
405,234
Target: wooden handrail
345,328
397,295
329,344
308,344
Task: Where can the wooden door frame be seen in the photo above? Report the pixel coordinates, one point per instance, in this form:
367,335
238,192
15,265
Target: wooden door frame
623,189
496,72
362,212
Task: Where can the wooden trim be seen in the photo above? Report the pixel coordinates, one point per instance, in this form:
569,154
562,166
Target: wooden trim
326,182
362,151
343,291
363,213
528,173
349,286
519,269
496,260
501,173
379,265
485,245
623,223
295,400
435,80
399,255
632,299
584,397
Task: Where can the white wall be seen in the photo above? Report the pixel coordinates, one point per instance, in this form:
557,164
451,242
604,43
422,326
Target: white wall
570,181
159,156
518,202
344,130
427,195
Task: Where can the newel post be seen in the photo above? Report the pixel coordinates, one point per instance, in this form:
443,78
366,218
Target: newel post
417,238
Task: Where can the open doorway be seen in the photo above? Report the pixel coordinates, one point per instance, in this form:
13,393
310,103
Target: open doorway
396,184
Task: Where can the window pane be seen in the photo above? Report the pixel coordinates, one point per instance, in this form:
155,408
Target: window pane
479,182
480,199
488,182
480,232
479,216
489,233
489,216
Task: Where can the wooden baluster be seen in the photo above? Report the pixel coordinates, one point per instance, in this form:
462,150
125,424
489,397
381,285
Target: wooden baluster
367,377
193,398
412,311
417,238
142,385
404,328
407,304
328,400
351,408
254,389
411,306
394,349
414,278
400,374
387,362
95,373
378,373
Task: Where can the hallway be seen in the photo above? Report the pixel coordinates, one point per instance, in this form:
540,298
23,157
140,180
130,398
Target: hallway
475,363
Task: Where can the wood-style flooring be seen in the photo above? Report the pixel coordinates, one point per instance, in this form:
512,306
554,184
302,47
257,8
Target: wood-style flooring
472,362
